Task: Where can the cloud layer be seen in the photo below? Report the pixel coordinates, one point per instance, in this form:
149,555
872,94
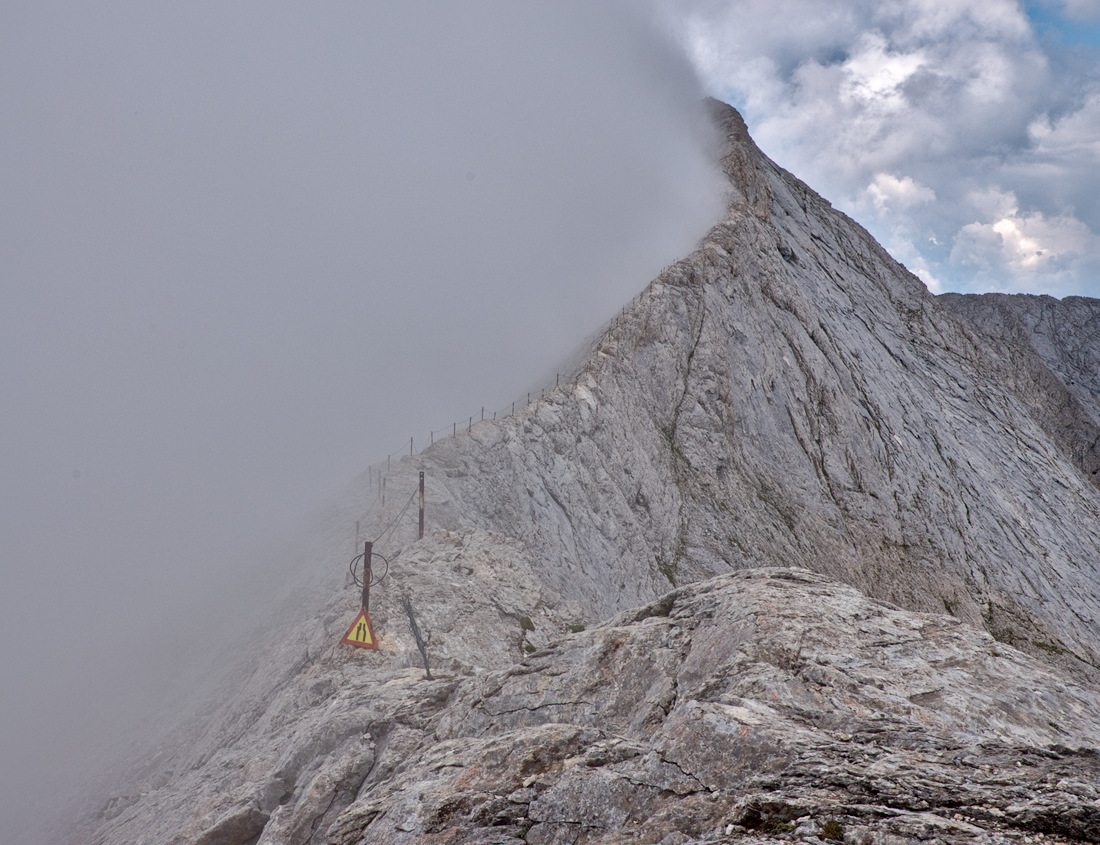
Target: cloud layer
907,113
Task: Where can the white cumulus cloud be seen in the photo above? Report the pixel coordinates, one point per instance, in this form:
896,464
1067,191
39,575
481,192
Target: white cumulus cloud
891,193
901,112
1017,250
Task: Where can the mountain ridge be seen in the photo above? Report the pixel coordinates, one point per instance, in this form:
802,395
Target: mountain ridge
817,391
1055,358
667,551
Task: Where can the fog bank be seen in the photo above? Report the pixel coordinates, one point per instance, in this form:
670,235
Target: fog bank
249,248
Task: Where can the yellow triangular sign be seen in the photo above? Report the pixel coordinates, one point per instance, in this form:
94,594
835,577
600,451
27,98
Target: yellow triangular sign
360,633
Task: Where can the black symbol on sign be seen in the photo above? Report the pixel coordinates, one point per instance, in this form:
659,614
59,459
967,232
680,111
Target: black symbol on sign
361,631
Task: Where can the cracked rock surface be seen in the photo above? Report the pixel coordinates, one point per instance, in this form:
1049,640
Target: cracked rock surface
742,708
751,700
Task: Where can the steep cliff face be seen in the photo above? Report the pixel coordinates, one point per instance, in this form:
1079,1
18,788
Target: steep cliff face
781,425
789,394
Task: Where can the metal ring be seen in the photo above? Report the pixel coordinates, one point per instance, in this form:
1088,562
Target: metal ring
353,567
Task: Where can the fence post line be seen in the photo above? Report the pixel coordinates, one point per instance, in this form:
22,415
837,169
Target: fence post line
421,531
383,491
483,413
410,447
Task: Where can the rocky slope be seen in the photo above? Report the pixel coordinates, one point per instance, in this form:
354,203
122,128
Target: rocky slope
787,396
1053,348
765,705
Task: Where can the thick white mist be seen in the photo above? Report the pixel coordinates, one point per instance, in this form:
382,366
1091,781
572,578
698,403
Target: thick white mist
248,248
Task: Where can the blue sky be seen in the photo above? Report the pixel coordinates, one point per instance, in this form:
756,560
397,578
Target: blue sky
965,134
1066,27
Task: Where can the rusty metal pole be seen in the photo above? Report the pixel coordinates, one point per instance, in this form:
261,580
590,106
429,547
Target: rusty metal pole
367,546
421,532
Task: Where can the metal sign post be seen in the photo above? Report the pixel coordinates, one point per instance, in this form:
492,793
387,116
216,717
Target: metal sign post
420,534
367,547
360,634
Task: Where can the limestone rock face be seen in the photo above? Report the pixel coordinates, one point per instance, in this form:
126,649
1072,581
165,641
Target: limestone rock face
789,394
798,551
1051,349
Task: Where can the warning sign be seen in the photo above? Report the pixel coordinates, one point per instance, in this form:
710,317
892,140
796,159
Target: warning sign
360,633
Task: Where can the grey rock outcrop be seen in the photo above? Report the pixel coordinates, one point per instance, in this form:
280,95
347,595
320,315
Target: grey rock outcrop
763,705
749,702
861,503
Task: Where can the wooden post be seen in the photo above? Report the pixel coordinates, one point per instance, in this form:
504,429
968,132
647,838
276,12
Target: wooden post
410,447
421,532
367,546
